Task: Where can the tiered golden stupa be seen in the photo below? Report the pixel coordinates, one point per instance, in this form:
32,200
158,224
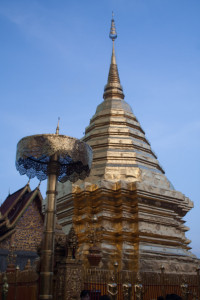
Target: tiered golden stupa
139,212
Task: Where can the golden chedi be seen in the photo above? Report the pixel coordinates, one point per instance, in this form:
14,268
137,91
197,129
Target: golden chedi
140,215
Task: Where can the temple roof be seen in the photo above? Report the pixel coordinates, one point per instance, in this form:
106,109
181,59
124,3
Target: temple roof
19,206
7,204
14,206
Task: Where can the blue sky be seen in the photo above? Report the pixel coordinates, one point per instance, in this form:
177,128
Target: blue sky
55,56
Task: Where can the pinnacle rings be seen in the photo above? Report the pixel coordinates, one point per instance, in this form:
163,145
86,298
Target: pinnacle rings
114,85
113,33
113,93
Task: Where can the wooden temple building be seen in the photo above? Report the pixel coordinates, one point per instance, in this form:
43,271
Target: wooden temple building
139,213
21,226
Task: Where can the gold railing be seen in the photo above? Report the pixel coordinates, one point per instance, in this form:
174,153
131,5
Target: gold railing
127,285
19,285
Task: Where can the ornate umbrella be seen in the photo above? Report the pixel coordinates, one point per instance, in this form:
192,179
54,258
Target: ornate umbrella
56,157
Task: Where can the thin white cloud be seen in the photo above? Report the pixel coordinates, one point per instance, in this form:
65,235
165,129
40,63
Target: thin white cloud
33,26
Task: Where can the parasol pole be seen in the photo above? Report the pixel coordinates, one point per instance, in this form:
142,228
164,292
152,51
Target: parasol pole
47,253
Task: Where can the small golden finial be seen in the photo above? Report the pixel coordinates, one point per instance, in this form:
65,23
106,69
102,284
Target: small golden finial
57,128
113,33
113,88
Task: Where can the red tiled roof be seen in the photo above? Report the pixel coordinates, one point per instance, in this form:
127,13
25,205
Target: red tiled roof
9,201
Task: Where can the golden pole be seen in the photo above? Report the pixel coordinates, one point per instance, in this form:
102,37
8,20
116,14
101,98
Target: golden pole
47,253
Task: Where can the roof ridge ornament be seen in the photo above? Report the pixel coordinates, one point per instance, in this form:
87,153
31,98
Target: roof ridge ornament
57,128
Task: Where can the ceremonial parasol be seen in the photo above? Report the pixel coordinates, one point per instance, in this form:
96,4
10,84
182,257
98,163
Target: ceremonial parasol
57,158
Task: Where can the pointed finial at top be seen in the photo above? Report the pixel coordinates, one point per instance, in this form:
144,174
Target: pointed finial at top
113,88
113,33
57,128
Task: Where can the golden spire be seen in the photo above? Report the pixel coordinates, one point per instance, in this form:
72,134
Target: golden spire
57,128
113,88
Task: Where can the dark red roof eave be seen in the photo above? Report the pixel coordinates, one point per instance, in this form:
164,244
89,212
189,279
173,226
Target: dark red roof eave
19,206
9,201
